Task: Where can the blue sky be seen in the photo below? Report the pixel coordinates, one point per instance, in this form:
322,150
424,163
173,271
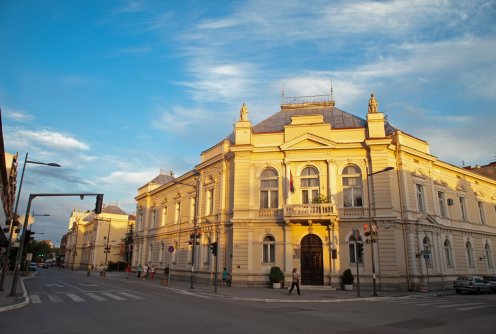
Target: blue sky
114,91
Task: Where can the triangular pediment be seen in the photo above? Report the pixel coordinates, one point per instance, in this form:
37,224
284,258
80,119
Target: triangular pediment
307,141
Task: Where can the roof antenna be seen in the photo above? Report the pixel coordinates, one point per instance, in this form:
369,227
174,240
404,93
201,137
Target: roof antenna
332,94
282,94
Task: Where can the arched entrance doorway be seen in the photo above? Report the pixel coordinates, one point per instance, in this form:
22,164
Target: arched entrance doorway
312,267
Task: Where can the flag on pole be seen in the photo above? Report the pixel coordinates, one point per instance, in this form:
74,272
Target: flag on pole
291,183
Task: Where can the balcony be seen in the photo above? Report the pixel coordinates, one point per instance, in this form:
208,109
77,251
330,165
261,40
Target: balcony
309,211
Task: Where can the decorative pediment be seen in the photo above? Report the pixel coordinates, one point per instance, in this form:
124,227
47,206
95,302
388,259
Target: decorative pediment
479,193
177,196
440,182
428,219
307,141
208,180
419,173
164,201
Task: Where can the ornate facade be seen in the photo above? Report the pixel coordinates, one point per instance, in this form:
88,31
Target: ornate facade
315,188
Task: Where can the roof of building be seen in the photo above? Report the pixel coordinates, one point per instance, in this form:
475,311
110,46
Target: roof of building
113,209
162,178
486,170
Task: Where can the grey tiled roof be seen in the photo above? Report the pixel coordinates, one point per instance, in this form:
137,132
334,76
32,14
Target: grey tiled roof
162,179
113,209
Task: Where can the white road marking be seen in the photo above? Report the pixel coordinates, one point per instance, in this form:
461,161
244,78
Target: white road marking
55,298
55,285
35,299
95,297
463,304
130,295
75,297
471,308
88,284
113,296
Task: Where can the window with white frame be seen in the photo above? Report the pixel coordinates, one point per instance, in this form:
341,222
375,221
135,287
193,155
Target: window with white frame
269,249
482,216
177,213
447,253
419,194
470,254
442,204
162,252
192,209
139,223
153,219
463,209
489,258
356,249
209,209
269,189
427,250
309,182
352,186
164,216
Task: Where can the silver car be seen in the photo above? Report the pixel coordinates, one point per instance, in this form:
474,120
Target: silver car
471,283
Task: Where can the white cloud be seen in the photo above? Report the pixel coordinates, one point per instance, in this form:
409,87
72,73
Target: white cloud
52,139
17,115
128,178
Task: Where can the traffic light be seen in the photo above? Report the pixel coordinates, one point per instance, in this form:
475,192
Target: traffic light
29,236
366,230
213,248
99,203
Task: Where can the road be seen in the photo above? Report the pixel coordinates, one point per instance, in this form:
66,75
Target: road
70,302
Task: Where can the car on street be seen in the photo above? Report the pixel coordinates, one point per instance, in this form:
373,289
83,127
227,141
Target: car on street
470,283
32,266
491,280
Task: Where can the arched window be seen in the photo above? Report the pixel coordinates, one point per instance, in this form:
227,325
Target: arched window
470,254
447,253
269,249
352,186
356,250
489,259
269,189
427,251
309,184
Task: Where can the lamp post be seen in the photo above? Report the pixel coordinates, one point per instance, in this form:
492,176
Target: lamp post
30,232
195,222
107,248
372,241
14,216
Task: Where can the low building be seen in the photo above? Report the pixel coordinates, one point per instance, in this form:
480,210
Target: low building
316,188
96,239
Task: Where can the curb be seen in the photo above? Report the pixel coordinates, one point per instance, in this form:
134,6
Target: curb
22,304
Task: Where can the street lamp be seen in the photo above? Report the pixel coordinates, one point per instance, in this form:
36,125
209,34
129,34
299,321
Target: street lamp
195,221
14,216
371,227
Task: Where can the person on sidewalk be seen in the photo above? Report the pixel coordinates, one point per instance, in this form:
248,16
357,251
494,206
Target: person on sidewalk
224,278
152,272
89,270
145,272
138,270
128,270
296,282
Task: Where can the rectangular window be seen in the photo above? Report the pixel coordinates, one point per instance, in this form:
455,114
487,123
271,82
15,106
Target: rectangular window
192,209
442,206
153,219
177,215
164,216
463,209
210,202
481,212
420,197
352,197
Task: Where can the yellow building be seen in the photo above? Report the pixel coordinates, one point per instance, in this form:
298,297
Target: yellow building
96,239
303,189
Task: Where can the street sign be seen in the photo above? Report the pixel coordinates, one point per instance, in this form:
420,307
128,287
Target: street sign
171,249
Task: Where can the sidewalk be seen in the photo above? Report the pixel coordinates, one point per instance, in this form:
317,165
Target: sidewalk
20,300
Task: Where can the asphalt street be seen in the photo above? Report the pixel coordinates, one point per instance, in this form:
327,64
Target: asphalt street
63,301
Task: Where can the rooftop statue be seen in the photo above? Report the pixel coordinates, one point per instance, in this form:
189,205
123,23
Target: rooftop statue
243,113
372,104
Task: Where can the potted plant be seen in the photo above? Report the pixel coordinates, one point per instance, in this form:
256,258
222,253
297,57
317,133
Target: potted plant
276,276
348,280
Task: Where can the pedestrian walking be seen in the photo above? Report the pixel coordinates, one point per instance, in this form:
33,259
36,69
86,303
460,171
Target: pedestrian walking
100,269
152,272
89,270
128,270
138,270
225,275
296,282
145,271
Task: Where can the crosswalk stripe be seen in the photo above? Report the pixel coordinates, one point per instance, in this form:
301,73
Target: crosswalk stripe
130,295
75,297
35,299
95,297
434,303
113,296
55,298
471,308
463,304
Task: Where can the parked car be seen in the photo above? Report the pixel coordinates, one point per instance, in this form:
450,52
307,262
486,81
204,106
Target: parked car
471,283
32,266
491,280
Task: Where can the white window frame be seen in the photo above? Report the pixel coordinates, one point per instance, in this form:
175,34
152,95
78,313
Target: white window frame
309,192
177,212
269,185
268,249
442,204
164,216
352,194
448,253
420,196
353,248
463,208
482,214
469,252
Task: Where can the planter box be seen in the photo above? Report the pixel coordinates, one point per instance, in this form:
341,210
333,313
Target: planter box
276,285
348,287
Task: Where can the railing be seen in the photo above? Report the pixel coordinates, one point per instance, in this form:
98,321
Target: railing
321,209
352,212
269,213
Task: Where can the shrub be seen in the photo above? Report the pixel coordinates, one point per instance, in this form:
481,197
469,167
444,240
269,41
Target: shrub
348,277
276,275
